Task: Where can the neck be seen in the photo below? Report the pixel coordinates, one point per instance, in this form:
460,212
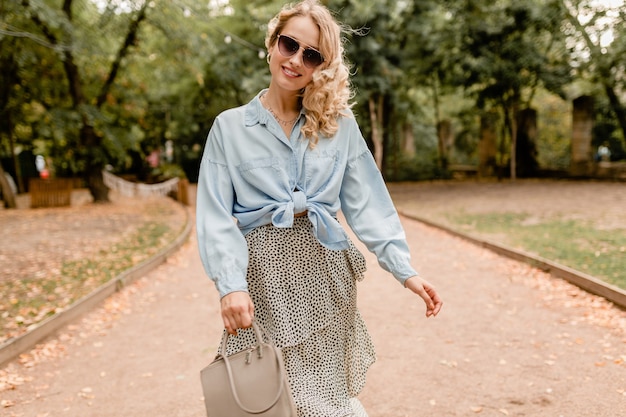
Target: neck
282,103
289,109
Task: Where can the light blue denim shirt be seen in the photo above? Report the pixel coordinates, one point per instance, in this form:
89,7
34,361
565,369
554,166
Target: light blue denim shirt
252,175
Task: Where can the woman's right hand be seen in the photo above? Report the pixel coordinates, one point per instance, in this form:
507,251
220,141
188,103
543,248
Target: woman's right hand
237,311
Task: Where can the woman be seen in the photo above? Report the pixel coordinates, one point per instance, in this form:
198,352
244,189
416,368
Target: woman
283,166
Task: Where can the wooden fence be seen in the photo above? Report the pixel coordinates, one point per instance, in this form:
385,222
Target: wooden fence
53,192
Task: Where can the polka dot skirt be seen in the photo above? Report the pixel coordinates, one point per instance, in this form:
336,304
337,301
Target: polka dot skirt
305,297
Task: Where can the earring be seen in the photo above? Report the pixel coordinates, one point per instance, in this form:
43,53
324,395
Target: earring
267,57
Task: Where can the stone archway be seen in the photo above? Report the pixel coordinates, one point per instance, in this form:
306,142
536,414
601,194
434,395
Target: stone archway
582,125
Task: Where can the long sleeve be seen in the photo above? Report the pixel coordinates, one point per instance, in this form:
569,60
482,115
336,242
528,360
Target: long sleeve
369,211
222,246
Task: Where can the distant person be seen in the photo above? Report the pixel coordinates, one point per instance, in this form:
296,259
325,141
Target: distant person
283,166
604,152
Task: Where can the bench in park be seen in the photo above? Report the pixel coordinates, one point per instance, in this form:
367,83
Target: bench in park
460,171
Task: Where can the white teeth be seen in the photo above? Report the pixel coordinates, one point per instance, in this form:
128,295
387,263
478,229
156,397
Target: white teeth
288,72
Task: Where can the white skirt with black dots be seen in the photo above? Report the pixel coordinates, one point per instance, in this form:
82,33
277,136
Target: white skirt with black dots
305,297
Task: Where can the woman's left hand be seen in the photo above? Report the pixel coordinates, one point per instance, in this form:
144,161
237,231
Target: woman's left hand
428,293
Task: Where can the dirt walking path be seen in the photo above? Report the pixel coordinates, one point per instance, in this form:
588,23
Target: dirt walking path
510,341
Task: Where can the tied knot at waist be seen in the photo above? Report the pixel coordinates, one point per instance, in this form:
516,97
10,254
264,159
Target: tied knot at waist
325,227
299,203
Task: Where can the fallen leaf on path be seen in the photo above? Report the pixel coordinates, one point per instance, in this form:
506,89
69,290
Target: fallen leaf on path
449,364
477,409
7,403
86,393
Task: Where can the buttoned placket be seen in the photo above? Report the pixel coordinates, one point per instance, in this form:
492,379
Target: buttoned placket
295,143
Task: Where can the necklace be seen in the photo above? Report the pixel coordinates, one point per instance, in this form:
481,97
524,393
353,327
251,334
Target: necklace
278,119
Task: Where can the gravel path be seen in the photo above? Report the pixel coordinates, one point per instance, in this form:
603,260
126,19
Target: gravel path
510,341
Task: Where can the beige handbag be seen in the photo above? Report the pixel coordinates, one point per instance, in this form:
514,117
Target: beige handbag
252,382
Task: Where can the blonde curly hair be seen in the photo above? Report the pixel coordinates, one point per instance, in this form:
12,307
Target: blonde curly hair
328,93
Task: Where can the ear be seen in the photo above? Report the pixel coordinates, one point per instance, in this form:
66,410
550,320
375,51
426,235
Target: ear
270,52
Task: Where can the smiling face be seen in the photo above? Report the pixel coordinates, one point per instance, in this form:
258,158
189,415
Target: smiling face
290,73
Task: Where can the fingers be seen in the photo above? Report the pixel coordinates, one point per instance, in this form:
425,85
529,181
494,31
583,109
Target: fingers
237,311
234,321
428,293
229,325
432,300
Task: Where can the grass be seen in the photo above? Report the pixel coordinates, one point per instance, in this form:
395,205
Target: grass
575,243
28,301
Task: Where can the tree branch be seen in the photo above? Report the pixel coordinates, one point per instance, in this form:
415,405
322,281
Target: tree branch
41,25
130,40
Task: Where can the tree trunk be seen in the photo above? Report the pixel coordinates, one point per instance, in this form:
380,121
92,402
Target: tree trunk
510,120
526,149
445,138
93,175
21,187
376,110
488,145
130,40
88,139
616,106
408,139
582,127
7,192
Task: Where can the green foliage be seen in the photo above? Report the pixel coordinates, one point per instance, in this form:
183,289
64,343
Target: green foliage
418,167
601,63
425,61
167,171
508,47
554,126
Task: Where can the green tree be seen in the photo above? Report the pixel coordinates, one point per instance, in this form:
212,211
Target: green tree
65,30
387,50
598,41
507,50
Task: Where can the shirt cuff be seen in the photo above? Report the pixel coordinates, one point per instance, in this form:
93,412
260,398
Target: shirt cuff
226,286
402,276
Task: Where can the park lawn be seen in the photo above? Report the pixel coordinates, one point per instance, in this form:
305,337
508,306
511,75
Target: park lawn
576,243
29,300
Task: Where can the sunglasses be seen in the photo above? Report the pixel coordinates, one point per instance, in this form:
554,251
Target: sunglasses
288,46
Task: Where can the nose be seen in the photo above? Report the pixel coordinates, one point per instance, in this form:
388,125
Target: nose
296,59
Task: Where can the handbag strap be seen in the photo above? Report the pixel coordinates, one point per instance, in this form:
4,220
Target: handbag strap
279,364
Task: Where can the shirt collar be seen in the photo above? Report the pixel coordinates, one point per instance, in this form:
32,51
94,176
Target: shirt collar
254,111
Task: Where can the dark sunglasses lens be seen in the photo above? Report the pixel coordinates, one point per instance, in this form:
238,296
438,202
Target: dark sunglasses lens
287,46
312,58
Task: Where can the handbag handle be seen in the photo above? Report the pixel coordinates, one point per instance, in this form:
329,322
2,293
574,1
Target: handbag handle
231,380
